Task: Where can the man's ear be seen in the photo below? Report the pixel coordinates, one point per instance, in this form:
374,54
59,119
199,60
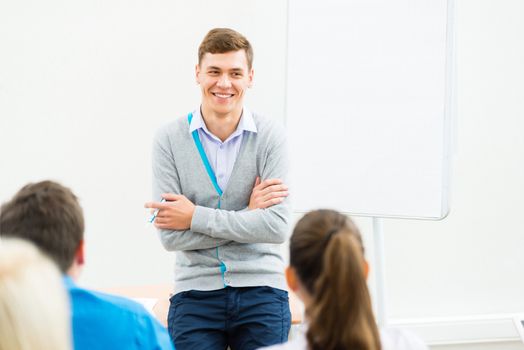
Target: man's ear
79,254
291,278
250,76
197,72
366,269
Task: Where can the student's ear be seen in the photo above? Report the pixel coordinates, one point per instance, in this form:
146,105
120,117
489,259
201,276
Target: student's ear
291,278
79,254
78,262
197,72
366,269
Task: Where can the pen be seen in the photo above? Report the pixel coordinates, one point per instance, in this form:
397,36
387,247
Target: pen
155,213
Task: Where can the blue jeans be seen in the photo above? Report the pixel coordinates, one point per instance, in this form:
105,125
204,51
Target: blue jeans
242,318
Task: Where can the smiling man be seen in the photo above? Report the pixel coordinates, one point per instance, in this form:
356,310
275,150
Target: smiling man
221,172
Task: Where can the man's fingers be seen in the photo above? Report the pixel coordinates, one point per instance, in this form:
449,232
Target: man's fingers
273,195
258,184
270,182
169,199
172,196
273,201
161,220
270,202
153,205
156,205
161,226
263,185
162,214
274,188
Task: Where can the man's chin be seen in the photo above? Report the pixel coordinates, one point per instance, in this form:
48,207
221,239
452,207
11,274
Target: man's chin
224,109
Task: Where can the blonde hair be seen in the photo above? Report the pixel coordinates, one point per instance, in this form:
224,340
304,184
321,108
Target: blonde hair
326,252
34,307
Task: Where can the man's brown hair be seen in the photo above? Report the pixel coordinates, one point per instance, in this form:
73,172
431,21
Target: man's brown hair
222,40
49,215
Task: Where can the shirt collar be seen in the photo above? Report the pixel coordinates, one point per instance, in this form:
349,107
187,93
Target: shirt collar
246,123
68,281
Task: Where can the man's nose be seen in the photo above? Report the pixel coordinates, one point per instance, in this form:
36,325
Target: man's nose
223,81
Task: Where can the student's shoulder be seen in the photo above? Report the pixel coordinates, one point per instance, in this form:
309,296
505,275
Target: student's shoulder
111,304
111,318
397,339
90,304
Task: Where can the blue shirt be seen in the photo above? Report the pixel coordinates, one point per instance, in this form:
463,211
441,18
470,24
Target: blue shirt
222,155
103,321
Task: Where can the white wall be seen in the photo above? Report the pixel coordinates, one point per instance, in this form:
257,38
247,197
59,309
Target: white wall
83,86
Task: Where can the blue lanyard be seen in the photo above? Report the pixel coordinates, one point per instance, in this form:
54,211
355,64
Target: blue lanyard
213,178
203,155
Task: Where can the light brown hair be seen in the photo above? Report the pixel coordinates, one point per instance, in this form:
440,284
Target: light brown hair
49,215
326,252
222,40
34,306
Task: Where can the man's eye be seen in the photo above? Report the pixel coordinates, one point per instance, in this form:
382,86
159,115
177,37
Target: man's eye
237,75
213,72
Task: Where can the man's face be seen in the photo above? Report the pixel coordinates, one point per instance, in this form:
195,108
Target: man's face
224,78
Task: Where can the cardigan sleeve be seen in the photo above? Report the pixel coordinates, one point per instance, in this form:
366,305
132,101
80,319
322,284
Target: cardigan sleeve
270,225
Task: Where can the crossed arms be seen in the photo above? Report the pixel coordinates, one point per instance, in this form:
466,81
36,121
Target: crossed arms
186,226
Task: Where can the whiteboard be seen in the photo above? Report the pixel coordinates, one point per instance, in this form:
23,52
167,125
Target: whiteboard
369,88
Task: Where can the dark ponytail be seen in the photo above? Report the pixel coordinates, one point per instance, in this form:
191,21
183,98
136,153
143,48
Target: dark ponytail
326,252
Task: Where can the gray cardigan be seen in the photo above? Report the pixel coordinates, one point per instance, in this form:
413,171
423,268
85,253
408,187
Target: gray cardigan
247,241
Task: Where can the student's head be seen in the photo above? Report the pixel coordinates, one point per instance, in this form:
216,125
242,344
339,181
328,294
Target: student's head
34,311
224,70
49,215
328,272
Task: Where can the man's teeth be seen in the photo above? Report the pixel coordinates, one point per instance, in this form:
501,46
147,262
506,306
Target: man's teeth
223,95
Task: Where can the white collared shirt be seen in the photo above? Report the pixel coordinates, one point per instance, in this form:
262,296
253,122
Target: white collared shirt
222,155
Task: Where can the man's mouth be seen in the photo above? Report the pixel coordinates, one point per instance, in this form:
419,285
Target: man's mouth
219,95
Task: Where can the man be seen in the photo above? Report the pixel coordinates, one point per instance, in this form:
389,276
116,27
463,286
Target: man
221,172
50,216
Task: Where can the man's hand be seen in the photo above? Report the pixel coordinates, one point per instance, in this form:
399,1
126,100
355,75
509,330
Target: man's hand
175,213
267,193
